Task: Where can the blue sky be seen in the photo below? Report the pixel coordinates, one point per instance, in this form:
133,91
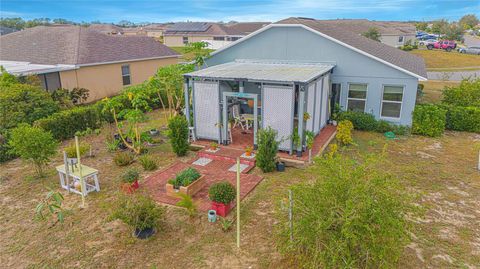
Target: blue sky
246,10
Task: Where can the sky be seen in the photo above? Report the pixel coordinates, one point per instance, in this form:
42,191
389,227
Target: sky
237,10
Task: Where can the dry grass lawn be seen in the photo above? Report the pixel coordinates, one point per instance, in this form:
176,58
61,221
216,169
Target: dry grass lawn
440,60
432,91
440,171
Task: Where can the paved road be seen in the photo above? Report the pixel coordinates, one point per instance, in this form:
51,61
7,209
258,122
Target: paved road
471,41
453,76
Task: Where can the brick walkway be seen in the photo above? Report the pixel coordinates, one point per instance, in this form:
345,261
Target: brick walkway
215,171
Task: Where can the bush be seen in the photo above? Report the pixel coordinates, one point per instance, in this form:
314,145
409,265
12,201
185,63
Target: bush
267,149
466,94
123,158
65,124
361,121
185,178
148,162
33,144
22,103
463,118
130,176
222,192
429,120
6,153
71,150
344,132
178,134
349,219
139,212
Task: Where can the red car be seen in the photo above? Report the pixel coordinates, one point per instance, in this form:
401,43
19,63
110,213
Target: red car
447,45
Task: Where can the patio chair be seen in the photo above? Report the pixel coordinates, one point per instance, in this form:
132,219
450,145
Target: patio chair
238,119
230,132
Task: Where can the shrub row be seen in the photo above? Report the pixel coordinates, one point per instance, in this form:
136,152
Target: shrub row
463,118
367,122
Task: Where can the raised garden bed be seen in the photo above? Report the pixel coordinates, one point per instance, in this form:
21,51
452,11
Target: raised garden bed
178,185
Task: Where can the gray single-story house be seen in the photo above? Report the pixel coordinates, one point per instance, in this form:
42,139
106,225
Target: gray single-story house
298,66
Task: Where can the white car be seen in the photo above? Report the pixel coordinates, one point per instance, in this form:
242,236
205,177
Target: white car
426,42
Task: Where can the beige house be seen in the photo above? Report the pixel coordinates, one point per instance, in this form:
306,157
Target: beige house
154,30
78,57
182,33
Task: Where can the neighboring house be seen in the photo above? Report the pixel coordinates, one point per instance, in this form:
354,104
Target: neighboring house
392,33
302,65
246,28
155,30
108,29
6,30
182,33
75,56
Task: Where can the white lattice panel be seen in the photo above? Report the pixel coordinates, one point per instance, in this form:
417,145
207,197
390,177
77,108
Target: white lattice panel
278,105
325,106
318,102
207,109
310,105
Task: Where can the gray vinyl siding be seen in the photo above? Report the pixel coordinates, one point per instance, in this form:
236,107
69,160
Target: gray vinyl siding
298,44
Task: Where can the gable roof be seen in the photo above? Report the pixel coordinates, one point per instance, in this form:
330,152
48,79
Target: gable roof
201,29
106,28
393,57
360,26
76,45
246,28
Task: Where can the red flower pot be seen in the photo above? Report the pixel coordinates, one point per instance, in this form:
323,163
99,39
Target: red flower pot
221,209
130,188
135,185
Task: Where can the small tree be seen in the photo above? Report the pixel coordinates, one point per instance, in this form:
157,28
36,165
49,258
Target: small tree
309,140
198,51
373,34
421,26
51,206
178,134
469,21
344,132
33,144
465,94
267,149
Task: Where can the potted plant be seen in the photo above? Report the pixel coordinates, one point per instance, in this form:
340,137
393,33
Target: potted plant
154,132
248,151
222,194
188,181
306,116
130,180
71,151
213,146
280,166
139,212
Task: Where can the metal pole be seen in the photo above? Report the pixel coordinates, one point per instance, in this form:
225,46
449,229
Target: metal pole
238,202
82,183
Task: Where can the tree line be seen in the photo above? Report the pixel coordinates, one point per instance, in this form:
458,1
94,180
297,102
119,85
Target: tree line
451,30
19,23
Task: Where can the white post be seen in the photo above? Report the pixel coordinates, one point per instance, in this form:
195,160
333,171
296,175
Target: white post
82,183
65,161
290,213
238,202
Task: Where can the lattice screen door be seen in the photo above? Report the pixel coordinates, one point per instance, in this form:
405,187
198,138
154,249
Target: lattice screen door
206,97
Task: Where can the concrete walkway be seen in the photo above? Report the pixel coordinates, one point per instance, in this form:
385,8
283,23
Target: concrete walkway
453,76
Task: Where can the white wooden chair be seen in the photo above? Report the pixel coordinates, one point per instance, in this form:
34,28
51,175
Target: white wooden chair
238,119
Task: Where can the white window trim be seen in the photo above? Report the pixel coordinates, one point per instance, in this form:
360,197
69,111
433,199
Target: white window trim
129,75
393,102
358,99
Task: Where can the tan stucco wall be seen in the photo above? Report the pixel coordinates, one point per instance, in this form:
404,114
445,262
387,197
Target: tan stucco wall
177,41
392,40
154,33
106,80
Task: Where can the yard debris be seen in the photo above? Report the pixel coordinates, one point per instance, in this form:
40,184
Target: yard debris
425,155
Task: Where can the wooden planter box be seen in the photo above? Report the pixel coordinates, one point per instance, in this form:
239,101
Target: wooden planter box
190,190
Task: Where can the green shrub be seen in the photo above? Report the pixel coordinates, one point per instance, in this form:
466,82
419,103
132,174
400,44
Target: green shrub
267,149
466,94
344,132
463,118
138,211
185,177
33,144
65,124
355,218
178,134
123,158
6,153
222,192
429,120
22,103
71,150
148,162
130,176
361,121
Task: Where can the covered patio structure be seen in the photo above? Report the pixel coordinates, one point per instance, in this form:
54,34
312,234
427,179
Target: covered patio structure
290,97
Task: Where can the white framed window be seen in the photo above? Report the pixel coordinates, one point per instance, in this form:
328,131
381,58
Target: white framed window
126,74
185,40
400,39
357,97
392,98
219,38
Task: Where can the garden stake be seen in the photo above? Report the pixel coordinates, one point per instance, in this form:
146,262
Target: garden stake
66,170
290,213
82,184
238,202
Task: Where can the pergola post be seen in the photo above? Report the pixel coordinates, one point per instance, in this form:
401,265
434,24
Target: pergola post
240,86
225,119
255,120
187,100
301,109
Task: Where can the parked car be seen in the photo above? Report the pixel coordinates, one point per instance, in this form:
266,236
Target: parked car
470,50
447,45
427,42
426,37
420,33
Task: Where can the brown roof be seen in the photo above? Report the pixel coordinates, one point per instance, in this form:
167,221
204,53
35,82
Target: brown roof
211,29
360,26
384,52
106,28
247,27
77,45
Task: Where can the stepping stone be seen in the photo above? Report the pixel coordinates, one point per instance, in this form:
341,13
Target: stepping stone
234,168
202,161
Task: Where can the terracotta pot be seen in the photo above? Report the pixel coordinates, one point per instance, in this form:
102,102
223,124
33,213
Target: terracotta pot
130,187
221,209
248,153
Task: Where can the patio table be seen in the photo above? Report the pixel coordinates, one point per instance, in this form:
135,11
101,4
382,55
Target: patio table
249,118
89,175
